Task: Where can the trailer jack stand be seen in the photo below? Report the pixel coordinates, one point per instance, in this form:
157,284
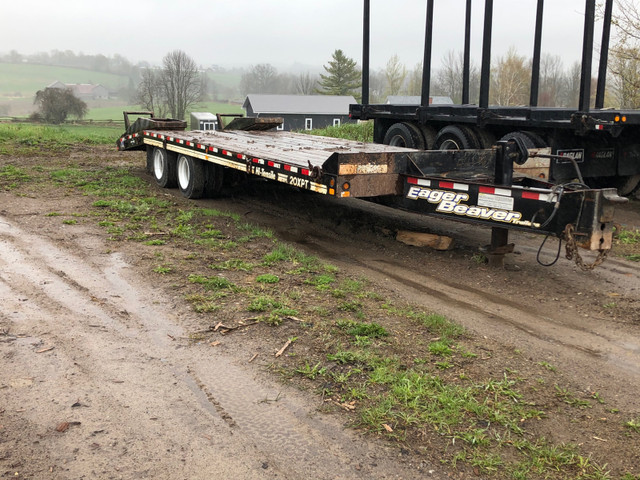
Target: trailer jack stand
499,247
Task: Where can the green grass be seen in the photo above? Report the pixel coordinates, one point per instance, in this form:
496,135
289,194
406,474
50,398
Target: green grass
114,112
629,237
361,132
23,139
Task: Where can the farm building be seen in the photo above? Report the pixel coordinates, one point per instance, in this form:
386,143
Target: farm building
84,91
203,121
300,112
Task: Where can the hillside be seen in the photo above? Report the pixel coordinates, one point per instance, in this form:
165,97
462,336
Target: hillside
20,82
24,80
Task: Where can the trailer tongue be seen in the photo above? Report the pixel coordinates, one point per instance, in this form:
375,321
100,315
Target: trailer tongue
473,186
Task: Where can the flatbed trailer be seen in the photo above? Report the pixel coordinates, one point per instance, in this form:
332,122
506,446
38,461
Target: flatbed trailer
481,187
605,142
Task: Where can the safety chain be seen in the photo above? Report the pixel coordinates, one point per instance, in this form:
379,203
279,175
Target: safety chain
573,253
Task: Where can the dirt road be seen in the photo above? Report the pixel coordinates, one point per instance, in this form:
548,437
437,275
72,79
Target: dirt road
99,379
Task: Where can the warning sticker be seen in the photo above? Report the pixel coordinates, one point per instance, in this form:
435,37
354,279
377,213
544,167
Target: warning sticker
495,201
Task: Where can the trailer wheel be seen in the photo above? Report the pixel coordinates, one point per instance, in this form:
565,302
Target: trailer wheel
149,151
214,179
429,134
404,135
191,176
530,139
628,184
164,168
456,137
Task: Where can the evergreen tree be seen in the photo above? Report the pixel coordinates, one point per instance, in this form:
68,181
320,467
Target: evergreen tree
343,76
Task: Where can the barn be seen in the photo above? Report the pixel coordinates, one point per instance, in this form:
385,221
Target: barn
84,91
301,112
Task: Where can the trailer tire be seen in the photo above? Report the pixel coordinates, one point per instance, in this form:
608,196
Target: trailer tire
456,137
530,139
191,176
429,134
405,135
214,179
149,151
164,168
486,139
628,184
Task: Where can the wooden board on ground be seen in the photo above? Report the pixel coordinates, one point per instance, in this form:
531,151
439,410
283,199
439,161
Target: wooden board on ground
417,239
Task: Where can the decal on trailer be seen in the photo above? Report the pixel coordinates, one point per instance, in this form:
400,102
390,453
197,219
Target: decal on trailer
450,202
288,179
577,154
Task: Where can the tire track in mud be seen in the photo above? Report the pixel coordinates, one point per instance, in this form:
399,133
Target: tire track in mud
456,299
112,344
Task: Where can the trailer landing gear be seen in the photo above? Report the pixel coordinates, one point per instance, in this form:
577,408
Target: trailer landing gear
499,247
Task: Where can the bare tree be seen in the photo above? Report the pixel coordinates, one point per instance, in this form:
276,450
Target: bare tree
377,86
624,58
414,82
150,93
571,91
306,83
625,69
262,78
395,74
552,81
448,80
181,83
510,80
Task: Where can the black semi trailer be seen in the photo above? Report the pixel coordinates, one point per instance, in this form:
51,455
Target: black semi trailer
604,143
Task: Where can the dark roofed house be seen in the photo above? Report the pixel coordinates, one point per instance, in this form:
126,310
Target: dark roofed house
84,91
301,112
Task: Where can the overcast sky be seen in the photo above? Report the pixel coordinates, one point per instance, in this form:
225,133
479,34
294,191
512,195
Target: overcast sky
279,32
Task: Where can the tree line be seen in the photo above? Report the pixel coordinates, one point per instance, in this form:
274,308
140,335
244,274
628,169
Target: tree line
180,83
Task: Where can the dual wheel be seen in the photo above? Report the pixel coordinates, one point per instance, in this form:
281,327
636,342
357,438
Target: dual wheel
423,137
192,176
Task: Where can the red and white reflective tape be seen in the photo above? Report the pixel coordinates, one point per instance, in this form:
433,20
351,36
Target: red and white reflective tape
454,186
495,191
529,194
419,181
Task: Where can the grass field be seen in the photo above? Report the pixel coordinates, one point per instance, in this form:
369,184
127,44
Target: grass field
24,80
115,112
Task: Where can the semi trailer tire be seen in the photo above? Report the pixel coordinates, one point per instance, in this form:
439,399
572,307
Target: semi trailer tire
191,176
530,139
214,179
628,184
456,137
405,135
429,134
164,168
149,152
